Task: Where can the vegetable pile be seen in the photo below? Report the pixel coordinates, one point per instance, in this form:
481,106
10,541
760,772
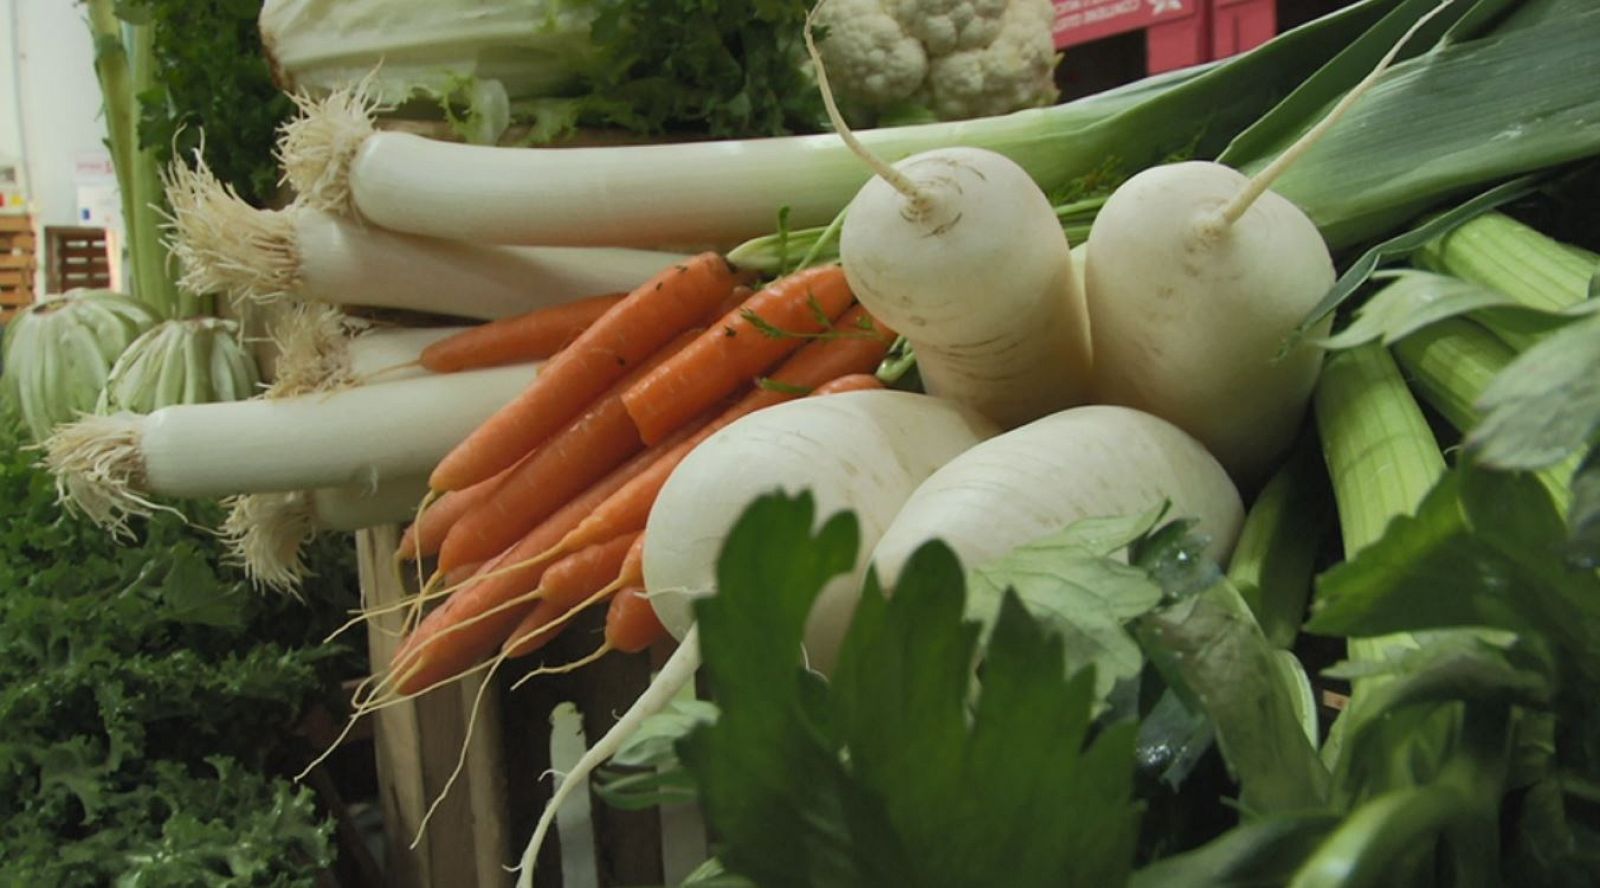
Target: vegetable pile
1251,541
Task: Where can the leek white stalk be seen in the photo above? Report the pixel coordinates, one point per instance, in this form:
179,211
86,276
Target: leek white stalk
111,467
389,354
266,532
227,246
320,349
702,194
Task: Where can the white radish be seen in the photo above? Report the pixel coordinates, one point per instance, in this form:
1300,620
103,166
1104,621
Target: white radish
265,532
1196,277
960,251
859,451
1096,461
227,246
110,466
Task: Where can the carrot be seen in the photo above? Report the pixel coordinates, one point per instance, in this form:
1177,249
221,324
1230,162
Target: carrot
474,621
770,325
631,622
427,533
594,443
855,382
456,576
574,582
630,332
813,365
532,336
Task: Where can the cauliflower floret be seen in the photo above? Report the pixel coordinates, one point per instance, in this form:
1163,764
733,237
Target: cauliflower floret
869,56
945,26
1014,70
959,58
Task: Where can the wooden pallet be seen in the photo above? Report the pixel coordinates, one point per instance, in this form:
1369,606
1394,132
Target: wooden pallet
17,264
78,259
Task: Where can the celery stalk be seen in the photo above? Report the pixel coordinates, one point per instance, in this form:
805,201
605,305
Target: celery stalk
1506,255
1382,460
1275,557
1450,363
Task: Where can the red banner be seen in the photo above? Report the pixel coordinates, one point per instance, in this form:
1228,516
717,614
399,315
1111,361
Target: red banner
1080,21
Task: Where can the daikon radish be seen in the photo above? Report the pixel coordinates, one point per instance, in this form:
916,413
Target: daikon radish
959,250
861,451
1196,276
864,451
1088,462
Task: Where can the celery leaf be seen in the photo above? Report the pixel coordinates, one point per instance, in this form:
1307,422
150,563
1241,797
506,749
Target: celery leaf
1545,404
891,774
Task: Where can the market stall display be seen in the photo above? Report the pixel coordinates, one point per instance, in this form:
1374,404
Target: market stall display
1226,440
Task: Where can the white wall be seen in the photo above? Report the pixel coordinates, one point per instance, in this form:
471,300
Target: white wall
59,115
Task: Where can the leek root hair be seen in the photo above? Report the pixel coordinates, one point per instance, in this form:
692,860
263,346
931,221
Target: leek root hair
312,340
316,148
222,243
98,468
265,534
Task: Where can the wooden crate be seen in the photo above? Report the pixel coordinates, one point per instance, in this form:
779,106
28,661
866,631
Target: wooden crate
484,822
17,264
76,258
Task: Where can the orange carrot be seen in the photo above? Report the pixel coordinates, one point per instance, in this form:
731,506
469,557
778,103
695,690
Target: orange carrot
476,619
427,533
575,581
631,622
456,576
814,365
595,443
737,348
532,336
630,332
855,382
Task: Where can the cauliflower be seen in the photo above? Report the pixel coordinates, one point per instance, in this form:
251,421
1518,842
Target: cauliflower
956,58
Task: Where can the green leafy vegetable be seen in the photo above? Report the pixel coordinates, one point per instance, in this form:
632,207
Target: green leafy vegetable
1069,581
1545,405
1482,550
1416,299
1583,520
884,775
213,90
1207,644
148,700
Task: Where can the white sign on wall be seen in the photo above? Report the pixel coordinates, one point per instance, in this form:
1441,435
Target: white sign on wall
99,201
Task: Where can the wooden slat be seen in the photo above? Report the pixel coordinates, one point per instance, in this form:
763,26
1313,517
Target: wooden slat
466,843
15,222
16,260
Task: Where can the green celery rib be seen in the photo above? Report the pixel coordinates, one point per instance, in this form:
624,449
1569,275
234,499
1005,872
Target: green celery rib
1450,363
1503,254
1275,558
1382,460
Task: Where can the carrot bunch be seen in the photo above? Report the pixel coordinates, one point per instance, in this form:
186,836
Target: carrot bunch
542,509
